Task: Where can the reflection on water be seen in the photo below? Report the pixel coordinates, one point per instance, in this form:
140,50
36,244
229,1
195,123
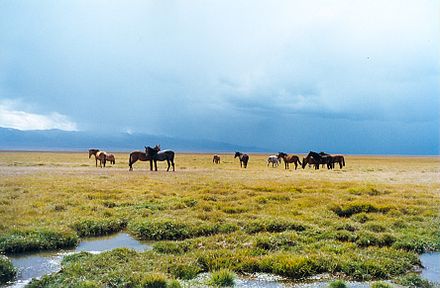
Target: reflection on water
38,264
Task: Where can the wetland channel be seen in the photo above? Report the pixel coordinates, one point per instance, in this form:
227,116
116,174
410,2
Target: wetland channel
35,265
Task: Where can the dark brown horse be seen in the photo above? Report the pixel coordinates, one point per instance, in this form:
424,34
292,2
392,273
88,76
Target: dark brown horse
335,159
317,160
138,155
338,159
110,158
160,155
309,161
244,159
289,159
99,155
216,159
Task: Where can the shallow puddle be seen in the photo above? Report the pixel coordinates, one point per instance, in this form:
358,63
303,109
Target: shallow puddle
264,280
431,264
38,264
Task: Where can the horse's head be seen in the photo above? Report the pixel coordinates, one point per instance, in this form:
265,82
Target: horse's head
157,147
304,163
281,155
237,154
151,151
92,152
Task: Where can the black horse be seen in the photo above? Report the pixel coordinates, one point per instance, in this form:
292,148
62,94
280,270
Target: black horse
317,159
160,155
330,161
244,158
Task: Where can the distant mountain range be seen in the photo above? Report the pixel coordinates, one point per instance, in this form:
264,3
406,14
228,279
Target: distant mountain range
58,140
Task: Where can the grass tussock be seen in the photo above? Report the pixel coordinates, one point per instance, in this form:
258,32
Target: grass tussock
98,227
222,278
36,240
7,270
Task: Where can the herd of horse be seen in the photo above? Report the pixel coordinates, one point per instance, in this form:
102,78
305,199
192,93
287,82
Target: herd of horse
156,154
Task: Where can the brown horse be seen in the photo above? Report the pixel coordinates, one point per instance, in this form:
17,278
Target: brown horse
244,158
137,155
110,158
289,159
216,159
99,155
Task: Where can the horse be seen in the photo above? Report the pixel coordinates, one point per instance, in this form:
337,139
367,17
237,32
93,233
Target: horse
310,161
244,158
135,156
101,155
318,159
335,159
110,158
160,155
338,159
216,159
289,159
274,160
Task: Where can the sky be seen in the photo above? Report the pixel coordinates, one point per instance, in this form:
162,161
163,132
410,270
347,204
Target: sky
338,76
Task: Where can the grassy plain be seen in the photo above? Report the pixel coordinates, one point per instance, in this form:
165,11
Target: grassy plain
369,220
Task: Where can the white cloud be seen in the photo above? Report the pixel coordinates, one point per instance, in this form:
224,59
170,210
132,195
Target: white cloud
12,118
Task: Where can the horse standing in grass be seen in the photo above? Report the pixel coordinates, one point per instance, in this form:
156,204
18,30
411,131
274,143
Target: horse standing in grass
244,159
338,159
110,158
289,159
216,159
317,159
135,156
335,159
160,155
274,160
99,155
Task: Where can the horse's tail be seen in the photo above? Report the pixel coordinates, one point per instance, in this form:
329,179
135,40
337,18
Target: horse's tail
299,161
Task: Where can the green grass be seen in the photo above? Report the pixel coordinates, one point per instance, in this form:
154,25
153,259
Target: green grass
7,270
222,278
368,221
337,284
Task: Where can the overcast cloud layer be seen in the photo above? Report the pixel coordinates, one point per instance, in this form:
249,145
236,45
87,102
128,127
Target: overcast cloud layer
342,76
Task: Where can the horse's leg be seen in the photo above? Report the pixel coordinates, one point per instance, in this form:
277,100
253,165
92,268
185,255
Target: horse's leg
296,165
168,162
155,165
172,163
